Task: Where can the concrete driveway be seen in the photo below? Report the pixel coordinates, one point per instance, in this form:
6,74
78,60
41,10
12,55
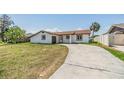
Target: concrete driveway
121,48
85,61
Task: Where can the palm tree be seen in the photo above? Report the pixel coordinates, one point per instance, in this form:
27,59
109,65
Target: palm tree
94,28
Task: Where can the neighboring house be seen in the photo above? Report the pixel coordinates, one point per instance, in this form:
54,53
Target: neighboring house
78,36
115,36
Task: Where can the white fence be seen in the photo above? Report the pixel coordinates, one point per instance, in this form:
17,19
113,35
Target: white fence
104,39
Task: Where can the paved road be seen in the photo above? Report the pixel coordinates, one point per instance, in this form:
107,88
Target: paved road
85,62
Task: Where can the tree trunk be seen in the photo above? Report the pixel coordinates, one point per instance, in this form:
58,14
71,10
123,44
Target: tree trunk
2,37
92,34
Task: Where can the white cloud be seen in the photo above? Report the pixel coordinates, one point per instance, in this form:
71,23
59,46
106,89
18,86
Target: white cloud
35,30
79,29
52,29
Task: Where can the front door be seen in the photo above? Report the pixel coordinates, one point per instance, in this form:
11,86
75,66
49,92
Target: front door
60,39
53,39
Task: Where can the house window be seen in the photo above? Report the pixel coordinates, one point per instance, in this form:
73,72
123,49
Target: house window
67,37
79,37
43,37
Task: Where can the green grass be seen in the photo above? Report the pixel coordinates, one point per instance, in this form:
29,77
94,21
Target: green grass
113,51
1,43
27,60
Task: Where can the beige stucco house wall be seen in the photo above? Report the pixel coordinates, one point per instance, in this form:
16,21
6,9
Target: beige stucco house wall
118,39
115,36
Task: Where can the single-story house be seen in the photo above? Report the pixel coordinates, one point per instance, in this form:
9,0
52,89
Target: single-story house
77,36
115,35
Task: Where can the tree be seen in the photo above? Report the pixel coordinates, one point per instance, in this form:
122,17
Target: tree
13,34
5,23
94,28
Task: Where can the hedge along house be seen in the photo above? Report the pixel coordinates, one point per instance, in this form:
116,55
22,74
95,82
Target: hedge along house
78,36
115,36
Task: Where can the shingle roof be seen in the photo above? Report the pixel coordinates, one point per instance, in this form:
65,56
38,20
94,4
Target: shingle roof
73,32
121,25
40,32
65,32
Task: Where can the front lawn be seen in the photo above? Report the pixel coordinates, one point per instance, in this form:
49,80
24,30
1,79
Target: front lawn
27,60
113,51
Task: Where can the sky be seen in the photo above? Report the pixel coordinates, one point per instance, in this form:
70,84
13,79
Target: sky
33,23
